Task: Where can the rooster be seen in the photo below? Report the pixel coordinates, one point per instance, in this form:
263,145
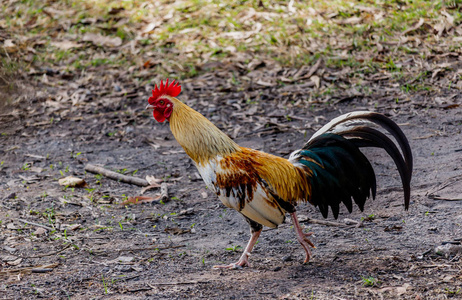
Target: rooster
329,169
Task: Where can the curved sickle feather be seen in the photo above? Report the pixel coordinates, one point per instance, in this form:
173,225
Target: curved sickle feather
370,137
348,122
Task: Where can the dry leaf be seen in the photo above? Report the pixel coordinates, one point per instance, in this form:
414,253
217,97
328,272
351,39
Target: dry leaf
150,27
36,169
397,289
66,45
448,278
73,227
352,20
316,80
14,262
72,181
101,40
153,180
449,19
415,27
263,83
139,199
124,259
40,231
366,8
154,183
45,79
12,226
8,44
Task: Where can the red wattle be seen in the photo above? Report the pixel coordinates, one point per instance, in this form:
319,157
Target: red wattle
159,116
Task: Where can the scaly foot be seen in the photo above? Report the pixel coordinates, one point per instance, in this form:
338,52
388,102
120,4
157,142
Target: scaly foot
306,243
244,259
302,237
242,262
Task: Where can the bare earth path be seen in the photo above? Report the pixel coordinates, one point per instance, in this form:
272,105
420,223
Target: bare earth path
97,248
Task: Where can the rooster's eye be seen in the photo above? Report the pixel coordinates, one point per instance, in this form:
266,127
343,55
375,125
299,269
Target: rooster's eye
161,102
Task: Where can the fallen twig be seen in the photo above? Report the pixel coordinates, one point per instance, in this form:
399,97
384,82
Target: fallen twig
436,197
141,289
116,176
41,270
36,224
176,283
323,222
163,192
28,270
48,254
134,249
139,199
350,222
312,70
453,180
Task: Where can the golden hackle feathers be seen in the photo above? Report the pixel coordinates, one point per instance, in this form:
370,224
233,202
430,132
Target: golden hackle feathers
200,139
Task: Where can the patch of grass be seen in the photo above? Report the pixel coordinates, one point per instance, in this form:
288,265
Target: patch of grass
234,248
104,284
452,292
189,33
369,218
50,215
8,82
121,171
370,281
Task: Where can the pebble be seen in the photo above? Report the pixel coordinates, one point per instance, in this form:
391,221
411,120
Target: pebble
287,258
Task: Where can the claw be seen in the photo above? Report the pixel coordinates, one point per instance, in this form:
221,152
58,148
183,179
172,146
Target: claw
303,238
242,262
307,240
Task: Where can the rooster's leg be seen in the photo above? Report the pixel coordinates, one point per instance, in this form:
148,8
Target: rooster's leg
302,237
255,230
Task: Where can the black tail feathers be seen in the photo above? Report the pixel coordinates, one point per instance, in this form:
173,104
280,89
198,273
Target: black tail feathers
340,171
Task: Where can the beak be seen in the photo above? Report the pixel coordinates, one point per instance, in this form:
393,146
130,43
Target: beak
150,106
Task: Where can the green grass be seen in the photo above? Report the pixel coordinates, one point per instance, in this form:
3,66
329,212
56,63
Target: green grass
8,78
187,34
370,281
234,248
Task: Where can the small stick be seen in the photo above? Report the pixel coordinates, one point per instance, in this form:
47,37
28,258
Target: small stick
322,222
41,270
51,253
163,192
175,283
353,222
135,249
116,176
28,270
35,224
150,248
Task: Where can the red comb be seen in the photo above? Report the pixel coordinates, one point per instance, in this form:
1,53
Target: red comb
171,90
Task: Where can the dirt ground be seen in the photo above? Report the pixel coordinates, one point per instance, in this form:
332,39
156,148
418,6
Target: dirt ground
81,243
